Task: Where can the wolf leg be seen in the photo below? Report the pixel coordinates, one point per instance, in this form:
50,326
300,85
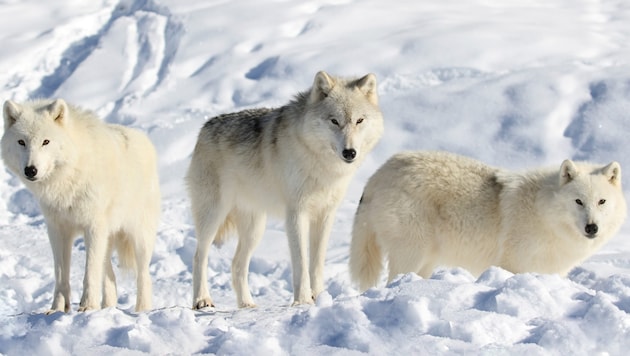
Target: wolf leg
208,215
405,259
96,242
320,233
110,298
297,226
143,249
61,244
250,227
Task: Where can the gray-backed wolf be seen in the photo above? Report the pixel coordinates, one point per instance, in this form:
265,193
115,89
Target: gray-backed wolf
294,161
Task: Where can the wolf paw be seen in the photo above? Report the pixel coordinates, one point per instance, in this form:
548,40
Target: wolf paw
203,303
303,302
84,308
53,311
247,305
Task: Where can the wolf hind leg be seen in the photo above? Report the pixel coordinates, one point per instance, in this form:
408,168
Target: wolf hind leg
209,216
96,245
110,297
140,244
250,227
404,260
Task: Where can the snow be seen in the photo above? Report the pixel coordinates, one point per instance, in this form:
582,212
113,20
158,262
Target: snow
518,84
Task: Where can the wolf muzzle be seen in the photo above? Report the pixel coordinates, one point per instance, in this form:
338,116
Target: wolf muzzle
30,172
349,154
591,230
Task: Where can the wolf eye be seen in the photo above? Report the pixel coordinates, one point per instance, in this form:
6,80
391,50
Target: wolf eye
359,121
601,201
45,142
335,122
21,143
579,202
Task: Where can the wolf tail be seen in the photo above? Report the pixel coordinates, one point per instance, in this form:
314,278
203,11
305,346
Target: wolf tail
225,230
126,253
133,249
366,260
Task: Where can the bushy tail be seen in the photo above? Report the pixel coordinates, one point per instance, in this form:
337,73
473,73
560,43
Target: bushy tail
226,230
126,253
134,245
366,260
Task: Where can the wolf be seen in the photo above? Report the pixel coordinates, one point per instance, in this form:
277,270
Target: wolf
428,209
294,161
93,179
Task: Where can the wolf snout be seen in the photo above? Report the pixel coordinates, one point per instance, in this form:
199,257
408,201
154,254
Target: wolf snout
349,154
591,230
30,172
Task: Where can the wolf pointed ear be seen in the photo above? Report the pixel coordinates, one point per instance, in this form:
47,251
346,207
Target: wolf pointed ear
568,171
367,85
322,86
11,113
613,173
58,110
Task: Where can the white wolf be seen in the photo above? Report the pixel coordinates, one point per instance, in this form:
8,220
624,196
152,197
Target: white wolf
92,179
429,209
296,161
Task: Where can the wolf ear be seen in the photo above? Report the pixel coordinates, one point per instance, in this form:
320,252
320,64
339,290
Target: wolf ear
58,111
367,85
568,171
613,173
11,113
322,86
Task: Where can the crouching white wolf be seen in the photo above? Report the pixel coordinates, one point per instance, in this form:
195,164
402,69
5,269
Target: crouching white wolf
91,179
430,209
296,161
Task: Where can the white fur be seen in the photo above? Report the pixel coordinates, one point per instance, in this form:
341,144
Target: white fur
428,209
290,163
91,179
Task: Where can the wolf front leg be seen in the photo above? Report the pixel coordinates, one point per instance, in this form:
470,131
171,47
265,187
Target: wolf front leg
61,243
297,226
319,235
96,241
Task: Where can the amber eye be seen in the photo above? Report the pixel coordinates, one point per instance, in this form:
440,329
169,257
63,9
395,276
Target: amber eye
579,202
21,143
45,142
602,201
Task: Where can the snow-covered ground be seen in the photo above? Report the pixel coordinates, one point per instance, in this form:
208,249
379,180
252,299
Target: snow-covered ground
518,84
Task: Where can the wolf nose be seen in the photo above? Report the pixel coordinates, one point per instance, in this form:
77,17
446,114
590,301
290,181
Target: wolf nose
349,154
30,172
591,229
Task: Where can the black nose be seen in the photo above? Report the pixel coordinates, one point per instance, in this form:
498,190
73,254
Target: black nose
591,229
30,172
349,154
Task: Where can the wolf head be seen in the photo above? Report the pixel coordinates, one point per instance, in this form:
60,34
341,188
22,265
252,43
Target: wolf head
342,116
594,197
34,138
